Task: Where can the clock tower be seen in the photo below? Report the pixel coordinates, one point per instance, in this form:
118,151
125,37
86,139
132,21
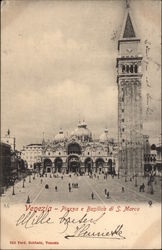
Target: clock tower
129,78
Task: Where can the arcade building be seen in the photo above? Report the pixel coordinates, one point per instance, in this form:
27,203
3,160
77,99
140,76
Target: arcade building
79,152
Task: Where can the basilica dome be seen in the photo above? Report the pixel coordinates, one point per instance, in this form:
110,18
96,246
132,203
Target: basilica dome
104,136
60,136
82,132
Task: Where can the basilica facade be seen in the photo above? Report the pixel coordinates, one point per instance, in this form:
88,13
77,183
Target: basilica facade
79,152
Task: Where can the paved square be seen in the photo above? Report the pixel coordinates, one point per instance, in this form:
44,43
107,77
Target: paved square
39,194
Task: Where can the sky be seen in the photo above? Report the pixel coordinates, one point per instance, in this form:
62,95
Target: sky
59,66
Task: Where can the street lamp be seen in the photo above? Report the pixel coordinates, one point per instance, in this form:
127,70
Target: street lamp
13,190
23,183
136,180
118,173
126,176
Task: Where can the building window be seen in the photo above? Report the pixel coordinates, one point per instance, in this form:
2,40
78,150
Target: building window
123,140
122,110
88,153
127,68
59,153
131,68
136,68
122,99
123,68
48,153
122,120
123,129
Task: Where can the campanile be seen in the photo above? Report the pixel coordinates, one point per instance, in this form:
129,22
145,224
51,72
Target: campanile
129,78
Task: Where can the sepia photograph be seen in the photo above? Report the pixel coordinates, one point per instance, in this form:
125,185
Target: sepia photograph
81,124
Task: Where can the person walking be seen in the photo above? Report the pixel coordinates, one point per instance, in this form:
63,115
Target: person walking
92,195
143,190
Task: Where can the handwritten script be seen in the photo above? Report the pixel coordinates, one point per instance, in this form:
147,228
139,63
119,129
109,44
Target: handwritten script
32,219
72,225
82,228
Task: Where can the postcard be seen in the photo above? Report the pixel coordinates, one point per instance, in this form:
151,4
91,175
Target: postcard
81,152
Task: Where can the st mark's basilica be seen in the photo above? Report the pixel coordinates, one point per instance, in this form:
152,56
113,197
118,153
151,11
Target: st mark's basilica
79,152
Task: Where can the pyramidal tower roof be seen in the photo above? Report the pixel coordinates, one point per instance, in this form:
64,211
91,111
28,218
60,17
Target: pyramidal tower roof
128,28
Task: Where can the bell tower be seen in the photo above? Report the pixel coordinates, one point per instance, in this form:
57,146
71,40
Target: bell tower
129,78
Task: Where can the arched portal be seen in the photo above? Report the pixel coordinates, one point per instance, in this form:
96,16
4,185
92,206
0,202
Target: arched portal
47,165
58,164
99,164
110,169
147,168
88,163
73,163
74,148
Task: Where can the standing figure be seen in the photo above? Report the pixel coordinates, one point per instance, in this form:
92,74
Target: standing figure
92,195
143,187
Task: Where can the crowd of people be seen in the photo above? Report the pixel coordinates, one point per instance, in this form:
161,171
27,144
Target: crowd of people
98,176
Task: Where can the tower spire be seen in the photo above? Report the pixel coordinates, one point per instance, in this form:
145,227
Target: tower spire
129,30
43,140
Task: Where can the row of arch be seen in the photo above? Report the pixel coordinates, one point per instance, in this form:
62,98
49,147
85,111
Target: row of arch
73,164
130,68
